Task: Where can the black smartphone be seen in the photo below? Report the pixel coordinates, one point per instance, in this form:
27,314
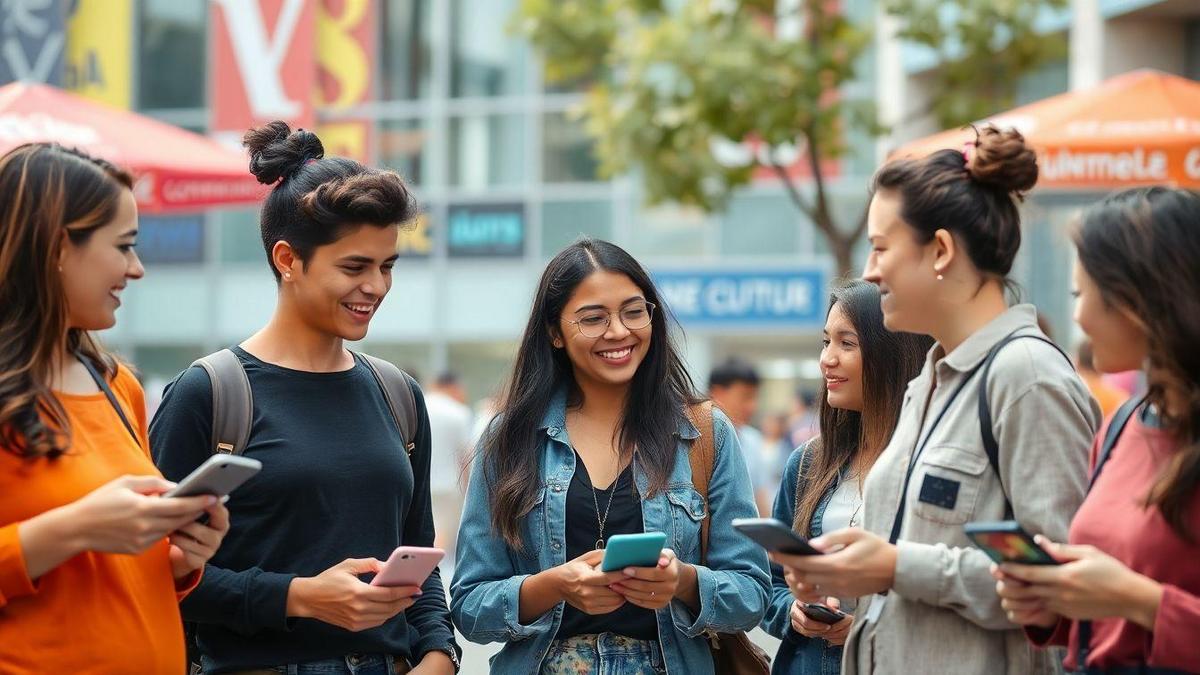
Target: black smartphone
1006,541
822,613
774,536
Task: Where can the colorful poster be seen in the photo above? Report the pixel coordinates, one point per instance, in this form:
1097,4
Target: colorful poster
346,46
263,63
99,57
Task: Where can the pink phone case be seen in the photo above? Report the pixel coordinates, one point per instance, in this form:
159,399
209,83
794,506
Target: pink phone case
408,566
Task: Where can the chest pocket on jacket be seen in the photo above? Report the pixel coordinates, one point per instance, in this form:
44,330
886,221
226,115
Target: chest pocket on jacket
535,525
946,485
687,514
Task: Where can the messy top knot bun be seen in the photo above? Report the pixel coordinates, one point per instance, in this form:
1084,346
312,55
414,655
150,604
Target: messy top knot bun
1001,159
318,202
277,152
971,193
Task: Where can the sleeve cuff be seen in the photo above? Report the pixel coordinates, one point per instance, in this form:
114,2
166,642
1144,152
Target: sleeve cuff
443,644
1173,642
267,598
681,614
184,586
1056,636
14,575
512,613
918,572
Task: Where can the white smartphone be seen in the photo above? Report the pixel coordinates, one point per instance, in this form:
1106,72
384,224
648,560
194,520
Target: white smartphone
408,566
218,476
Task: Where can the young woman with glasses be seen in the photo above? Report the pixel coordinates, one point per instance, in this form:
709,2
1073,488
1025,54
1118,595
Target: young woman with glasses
593,440
866,371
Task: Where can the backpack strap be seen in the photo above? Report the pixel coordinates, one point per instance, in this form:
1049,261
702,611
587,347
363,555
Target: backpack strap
990,446
108,394
233,401
397,391
702,459
1116,425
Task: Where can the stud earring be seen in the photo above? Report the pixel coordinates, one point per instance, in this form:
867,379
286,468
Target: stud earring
940,277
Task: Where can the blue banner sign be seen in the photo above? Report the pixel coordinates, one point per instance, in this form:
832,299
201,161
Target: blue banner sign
489,230
171,240
781,297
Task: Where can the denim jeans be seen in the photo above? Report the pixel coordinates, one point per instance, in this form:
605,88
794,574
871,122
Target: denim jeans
351,664
603,654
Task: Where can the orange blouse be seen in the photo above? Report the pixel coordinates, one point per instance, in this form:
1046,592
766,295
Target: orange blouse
96,612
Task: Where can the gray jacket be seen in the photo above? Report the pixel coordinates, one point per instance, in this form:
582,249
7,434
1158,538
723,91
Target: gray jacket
942,614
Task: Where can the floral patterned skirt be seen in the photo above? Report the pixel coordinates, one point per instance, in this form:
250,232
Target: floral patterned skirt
603,654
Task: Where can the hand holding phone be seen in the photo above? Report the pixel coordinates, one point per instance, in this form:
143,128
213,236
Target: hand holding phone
408,566
632,550
1006,541
774,536
822,613
218,476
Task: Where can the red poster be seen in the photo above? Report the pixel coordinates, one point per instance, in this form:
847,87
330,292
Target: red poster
263,63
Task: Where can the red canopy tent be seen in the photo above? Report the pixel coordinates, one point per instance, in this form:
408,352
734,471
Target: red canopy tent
1138,128
176,170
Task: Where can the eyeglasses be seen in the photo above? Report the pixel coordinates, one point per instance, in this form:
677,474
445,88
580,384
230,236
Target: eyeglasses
595,323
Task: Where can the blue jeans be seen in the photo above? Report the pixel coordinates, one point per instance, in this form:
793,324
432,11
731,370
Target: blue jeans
351,664
603,654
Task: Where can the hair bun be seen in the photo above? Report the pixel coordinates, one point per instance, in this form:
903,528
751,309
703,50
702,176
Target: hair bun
277,152
1002,160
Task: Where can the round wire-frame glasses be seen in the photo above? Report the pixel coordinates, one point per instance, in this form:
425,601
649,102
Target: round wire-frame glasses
595,323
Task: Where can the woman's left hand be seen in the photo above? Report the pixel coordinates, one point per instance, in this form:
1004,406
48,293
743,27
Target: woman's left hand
195,543
856,563
651,587
1089,584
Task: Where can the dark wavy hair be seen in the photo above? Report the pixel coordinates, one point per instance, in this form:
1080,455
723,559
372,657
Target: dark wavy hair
1142,248
658,397
316,199
973,196
48,191
850,438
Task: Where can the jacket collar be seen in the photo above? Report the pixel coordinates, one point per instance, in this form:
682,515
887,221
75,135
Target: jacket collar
973,350
554,421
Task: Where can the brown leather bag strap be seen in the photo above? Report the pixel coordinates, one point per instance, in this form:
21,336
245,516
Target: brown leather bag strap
702,459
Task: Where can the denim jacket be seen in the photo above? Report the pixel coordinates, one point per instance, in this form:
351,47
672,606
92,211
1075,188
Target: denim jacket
733,588
798,655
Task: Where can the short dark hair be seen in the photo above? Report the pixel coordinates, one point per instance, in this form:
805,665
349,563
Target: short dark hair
732,371
973,196
316,199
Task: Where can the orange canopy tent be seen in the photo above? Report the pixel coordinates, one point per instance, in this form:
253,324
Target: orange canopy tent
1135,129
176,170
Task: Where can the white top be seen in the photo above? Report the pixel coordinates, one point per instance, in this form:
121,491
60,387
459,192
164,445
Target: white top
449,441
844,510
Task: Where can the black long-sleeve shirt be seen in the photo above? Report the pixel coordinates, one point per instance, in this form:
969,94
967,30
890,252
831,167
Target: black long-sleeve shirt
335,484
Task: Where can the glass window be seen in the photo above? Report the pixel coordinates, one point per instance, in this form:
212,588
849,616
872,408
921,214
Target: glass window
566,151
564,222
407,50
670,230
404,146
486,60
241,239
171,239
413,358
482,366
171,53
1050,79
487,151
760,225
163,362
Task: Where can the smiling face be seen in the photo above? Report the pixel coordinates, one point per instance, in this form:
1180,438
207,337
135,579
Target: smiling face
841,362
95,272
1119,340
614,357
343,283
903,269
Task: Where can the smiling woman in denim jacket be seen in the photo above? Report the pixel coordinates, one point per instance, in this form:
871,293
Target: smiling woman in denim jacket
866,369
592,440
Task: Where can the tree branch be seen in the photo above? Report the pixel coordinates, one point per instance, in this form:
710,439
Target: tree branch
797,198
820,215
861,228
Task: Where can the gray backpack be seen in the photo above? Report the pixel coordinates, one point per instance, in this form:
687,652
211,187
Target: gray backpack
233,402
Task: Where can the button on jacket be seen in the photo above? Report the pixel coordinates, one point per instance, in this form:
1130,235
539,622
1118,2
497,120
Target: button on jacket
942,614
733,588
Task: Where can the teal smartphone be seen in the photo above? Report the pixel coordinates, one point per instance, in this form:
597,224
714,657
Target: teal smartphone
632,550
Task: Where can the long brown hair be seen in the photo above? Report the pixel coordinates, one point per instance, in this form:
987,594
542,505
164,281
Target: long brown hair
1141,247
850,439
50,192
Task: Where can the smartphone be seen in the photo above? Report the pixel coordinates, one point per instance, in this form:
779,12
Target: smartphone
408,566
632,550
1007,541
218,476
822,613
774,536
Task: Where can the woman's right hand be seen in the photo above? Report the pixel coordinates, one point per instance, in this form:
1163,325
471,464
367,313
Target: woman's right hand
583,586
127,515
835,634
1021,605
338,597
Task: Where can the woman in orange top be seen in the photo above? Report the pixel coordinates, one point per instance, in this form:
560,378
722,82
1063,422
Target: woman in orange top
93,561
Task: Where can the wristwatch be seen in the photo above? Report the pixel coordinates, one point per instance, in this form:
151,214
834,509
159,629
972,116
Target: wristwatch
450,651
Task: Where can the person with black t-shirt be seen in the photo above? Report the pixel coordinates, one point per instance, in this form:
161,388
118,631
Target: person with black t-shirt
594,440
337,491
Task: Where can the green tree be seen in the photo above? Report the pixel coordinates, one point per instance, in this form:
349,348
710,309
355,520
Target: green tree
672,86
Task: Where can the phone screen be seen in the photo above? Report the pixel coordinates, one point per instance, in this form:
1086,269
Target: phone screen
1012,547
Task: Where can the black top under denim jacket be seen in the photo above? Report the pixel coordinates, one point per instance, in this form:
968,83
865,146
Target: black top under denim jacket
335,484
798,655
